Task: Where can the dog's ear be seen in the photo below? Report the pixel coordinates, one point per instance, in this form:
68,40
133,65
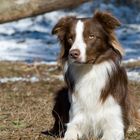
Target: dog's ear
61,26
116,45
109,23
107,20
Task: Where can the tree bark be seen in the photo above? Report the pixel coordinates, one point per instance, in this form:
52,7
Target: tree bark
11,10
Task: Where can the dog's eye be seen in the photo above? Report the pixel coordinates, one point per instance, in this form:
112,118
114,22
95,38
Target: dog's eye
70,40
91,36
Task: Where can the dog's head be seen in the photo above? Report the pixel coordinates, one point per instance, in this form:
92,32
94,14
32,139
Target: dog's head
85,39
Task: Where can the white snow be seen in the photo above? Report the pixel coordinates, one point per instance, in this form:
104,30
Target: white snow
134,76
16,79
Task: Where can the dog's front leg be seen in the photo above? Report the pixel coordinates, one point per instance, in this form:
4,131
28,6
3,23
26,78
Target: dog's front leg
75,128
113,129
72,133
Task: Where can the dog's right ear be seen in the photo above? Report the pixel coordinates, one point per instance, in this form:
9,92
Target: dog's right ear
61,27
107,20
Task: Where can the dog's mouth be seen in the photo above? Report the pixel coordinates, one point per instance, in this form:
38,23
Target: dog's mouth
78,61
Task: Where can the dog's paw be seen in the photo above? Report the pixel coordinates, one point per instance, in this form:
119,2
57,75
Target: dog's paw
72,135
70,138
113,137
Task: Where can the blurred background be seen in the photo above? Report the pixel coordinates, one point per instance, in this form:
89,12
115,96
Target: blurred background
30,39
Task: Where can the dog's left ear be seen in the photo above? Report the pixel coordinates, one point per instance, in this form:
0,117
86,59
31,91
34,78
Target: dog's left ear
107,20
109,24
61,26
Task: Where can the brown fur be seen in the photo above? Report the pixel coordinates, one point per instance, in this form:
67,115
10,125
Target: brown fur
102,45
61,29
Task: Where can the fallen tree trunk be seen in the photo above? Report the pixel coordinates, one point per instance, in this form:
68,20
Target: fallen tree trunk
11,10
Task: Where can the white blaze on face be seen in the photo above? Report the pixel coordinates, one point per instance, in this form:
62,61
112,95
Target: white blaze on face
79,42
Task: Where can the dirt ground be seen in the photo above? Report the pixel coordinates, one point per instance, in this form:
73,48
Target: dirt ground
25,107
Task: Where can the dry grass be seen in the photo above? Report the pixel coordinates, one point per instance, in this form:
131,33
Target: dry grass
25,107
135,64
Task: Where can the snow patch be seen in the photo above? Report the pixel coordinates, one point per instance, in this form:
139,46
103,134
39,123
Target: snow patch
16,79
134,76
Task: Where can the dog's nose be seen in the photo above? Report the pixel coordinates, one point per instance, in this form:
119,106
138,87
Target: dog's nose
75,53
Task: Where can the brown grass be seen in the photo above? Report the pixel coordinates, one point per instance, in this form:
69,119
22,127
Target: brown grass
25,107
135,64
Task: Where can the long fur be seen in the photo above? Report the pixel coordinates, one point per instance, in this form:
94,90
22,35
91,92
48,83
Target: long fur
96,101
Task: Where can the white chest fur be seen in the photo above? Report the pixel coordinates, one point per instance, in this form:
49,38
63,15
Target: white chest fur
87,112
89,86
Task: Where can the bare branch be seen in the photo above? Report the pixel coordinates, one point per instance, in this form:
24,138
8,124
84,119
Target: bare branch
11,10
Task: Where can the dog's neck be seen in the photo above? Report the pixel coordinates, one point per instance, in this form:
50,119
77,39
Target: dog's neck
74,72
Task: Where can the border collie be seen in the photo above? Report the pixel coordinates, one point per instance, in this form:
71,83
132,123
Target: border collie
95,101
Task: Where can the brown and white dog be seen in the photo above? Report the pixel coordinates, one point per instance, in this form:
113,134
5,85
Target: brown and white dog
96,82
